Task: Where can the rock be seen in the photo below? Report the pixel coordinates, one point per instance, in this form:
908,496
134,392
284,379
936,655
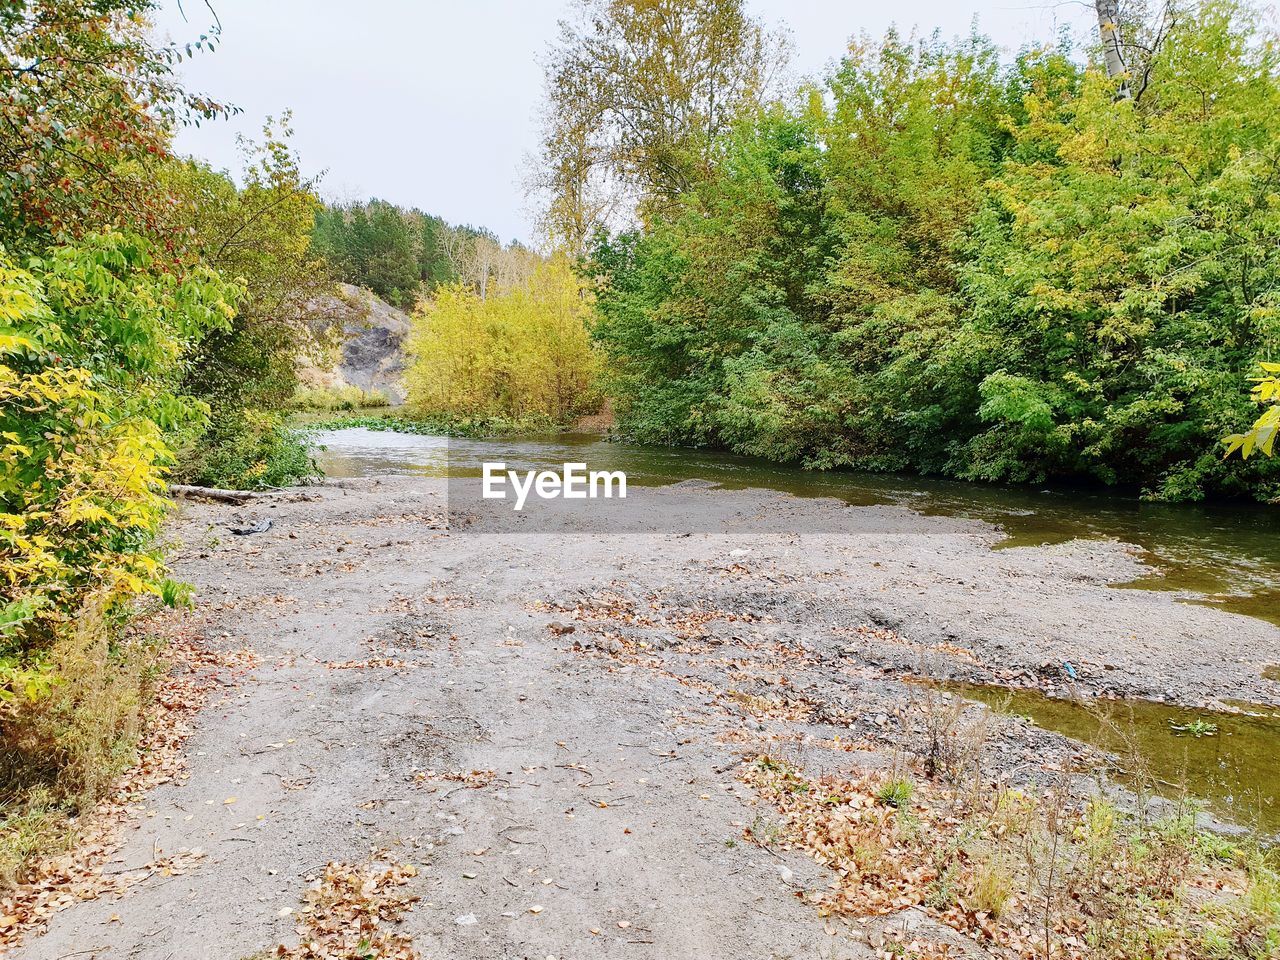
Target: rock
885,932
373,347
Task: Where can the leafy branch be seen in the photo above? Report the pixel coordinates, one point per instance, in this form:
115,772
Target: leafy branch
1262,435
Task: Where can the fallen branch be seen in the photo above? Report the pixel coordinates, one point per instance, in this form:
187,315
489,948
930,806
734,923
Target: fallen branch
211,493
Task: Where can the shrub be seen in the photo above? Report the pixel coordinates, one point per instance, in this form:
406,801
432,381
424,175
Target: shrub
250,450
92,338
516,355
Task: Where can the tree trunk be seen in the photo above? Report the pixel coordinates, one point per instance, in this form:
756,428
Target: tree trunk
1109,31
211,493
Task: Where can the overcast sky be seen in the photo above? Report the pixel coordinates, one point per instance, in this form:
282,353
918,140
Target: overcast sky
432,103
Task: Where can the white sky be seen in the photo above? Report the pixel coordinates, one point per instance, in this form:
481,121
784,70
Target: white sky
433,104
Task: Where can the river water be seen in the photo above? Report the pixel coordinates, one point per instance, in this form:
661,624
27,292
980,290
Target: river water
1224,555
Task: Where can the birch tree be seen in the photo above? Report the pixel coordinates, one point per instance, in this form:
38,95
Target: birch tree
638,93
1112,52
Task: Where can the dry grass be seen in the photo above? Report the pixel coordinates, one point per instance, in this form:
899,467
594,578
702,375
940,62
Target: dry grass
955,738
1031,877
62,754
81,759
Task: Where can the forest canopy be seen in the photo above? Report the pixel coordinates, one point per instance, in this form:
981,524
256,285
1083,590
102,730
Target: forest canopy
403,254
944,261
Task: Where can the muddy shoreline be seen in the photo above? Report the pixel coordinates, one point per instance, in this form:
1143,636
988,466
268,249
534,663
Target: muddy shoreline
553,720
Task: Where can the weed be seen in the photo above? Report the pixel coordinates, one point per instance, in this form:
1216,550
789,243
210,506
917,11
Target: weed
1199,727
1213,846
941,893
249,450
954,743
347,397
59,755
992,886
1097,831
897,791
1034,875
765,832
176,594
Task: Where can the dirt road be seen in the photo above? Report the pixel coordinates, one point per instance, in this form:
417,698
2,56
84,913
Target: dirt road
549,728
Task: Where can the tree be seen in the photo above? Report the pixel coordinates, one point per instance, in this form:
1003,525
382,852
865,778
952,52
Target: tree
639,91
1131,36
945,264
87,102
260,233
398,254
434,267
1127,269
1112,47
521,354
478,260
785,311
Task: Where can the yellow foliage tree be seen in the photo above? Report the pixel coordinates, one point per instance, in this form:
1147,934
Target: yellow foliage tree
522,355
92,338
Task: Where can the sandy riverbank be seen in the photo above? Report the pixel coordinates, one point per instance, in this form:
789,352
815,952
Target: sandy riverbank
554,720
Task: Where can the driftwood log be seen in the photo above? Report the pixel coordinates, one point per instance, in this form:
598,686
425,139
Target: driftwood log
211,493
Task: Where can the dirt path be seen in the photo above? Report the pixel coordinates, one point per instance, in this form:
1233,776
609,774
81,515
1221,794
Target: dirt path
574,791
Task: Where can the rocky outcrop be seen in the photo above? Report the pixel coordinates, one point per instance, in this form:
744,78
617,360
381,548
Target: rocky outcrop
371,354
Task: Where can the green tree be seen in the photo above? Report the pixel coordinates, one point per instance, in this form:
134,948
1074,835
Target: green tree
398,254
783,312
260,233
947,264
1126,267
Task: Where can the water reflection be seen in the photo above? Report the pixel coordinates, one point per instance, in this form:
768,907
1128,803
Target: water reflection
1232,764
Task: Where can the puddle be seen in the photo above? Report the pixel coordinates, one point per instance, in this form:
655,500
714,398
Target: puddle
1235,768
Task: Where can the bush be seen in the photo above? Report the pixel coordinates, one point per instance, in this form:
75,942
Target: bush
250,450
92,338
90,356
